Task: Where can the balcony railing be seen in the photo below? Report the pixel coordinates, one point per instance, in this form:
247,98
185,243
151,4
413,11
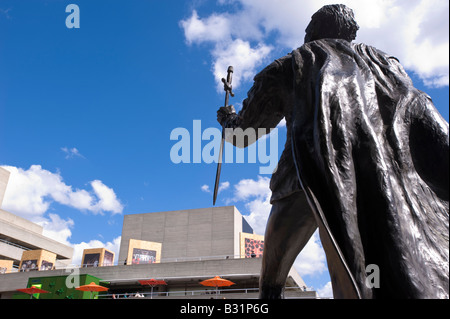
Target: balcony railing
290,292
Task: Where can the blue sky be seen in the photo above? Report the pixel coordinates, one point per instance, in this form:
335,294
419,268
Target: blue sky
86,114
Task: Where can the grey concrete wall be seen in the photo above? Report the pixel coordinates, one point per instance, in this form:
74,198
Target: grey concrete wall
237,229
10,252
185,233
27,234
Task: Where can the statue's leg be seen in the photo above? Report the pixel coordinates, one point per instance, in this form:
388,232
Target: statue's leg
291,224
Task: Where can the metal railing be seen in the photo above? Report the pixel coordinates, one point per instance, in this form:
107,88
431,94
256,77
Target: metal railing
189,293
14,244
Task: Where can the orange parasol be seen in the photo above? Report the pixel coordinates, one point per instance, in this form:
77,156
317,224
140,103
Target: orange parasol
217,282
92,287
33,290
152,283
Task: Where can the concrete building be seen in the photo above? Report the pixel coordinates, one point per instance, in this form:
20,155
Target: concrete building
182,248
188,234
195,245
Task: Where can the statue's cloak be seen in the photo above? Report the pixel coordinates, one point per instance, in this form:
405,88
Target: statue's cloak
371,153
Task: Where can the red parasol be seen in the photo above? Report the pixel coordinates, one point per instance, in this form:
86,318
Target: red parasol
33,290
152,283
92,287
217,282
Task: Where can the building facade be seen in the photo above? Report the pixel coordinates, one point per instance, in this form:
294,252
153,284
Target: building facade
187,234
183,248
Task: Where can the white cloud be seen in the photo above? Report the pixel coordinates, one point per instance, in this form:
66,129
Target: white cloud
223,186
71,152
5,12
242,57
221,30
259,214
57,228
312,259
205,188
107,199
326,291
31,192
415,31
215,28
256,197
287,19
248,188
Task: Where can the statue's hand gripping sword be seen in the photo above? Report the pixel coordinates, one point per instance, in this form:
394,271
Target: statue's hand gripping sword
228,91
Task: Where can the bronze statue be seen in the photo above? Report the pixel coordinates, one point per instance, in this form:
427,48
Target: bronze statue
365,161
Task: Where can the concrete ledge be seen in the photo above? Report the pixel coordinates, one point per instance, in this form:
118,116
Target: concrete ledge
33,240
20,222
10,251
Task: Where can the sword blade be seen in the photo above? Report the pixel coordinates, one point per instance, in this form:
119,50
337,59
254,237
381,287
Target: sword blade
228,92
219,168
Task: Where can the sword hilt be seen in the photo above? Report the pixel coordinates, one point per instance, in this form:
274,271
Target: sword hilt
227,87
227,84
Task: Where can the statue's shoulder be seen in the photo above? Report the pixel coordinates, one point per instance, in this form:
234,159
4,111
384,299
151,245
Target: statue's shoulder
373,52
277,66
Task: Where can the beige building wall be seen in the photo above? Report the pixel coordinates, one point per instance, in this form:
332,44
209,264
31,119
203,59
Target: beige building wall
6,266
4,177
97,257
39,259
146,246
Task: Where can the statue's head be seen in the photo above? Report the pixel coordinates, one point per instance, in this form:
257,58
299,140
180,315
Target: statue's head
334,21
